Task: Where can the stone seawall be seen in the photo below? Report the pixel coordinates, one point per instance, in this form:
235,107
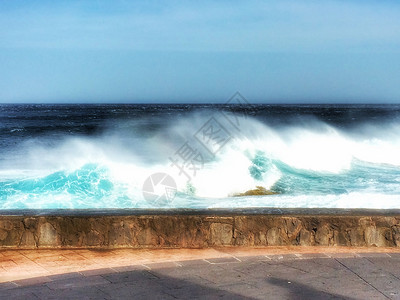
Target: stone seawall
188,230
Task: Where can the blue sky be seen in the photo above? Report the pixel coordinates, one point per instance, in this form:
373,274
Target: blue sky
199,51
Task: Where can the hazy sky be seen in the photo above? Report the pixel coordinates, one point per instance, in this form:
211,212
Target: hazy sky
202,51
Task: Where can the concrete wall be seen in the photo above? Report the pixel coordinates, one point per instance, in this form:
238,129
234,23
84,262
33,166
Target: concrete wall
198,231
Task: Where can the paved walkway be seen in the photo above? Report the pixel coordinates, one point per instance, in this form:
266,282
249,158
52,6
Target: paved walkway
227,273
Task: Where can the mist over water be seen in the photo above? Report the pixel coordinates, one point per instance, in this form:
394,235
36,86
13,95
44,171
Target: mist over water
99,156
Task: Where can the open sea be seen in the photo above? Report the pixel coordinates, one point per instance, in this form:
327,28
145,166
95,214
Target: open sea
198,155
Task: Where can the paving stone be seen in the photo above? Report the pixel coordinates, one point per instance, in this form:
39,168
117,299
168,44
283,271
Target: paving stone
65,276
222,260
280,257
25,292
17,295
10,253
331,264
133,276
363,267
76,282
374,275
127,290
33,281
36,254
243,289
222,297
253,259
71,293
7,263
179,282
394,255
163,265
7,285
259,269
288,276
221,276
373,255
130,268
97,272
194,263
193,291
392,294
264,270
343,255
187,272
390,265
154,295
313,255
315,268
293,289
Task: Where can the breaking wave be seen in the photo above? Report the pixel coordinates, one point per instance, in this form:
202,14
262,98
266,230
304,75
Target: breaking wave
308,164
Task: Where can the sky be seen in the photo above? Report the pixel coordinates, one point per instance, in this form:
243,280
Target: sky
200,51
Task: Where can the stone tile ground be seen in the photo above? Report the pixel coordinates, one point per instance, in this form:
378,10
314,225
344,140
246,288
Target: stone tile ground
225,273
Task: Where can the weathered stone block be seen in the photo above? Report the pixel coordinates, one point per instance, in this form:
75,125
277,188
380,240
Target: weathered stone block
274,237
120,234
7,224
47,235
260,239
324,236
378,237
28,240
221,234
396,235
95,238
306,238
147,237
355,237
3,234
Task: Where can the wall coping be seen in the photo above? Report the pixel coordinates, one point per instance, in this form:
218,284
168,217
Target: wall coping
203,212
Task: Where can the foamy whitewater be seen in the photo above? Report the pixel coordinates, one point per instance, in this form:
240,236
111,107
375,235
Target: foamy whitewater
99,156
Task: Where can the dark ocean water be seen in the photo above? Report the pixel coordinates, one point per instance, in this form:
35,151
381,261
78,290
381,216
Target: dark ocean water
100,156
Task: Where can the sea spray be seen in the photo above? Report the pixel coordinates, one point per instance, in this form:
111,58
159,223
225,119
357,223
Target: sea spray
311,159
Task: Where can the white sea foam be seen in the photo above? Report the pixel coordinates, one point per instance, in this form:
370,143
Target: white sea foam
130,158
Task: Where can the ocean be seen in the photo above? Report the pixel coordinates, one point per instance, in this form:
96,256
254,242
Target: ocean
81,156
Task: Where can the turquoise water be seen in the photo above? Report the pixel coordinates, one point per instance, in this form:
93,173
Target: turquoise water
93,186
89,161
